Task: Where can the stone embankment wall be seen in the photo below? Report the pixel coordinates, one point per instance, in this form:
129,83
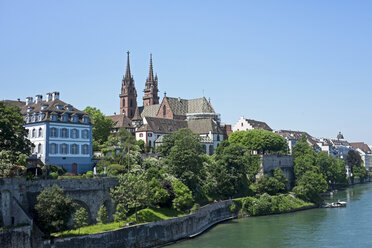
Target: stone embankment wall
151,234
18,237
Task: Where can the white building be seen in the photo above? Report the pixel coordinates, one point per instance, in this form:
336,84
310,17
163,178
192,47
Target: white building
248,124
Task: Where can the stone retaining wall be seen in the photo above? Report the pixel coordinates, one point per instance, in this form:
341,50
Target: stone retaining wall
151,234
18,237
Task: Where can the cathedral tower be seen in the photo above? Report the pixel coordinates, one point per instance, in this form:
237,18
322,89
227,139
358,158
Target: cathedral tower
128,95
151,88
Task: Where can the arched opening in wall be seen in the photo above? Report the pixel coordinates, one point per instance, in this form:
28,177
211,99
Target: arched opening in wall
109,207
80,204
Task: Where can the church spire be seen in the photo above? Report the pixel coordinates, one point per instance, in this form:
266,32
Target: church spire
151,88
151,72
127,73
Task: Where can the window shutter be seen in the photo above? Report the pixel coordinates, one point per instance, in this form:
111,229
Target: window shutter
56,148
67,133
61,132
77,149
71,133
77,133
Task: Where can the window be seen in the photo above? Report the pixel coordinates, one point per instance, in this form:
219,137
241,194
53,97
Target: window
131,103
164,110
64,148
74,149
53,132
39,148
53,148
150,143
40,132
85,134
205,148
149,134
211,150
242,123
123,102
33,133
85,149
74,133
32,149
64,133
141,135
218,137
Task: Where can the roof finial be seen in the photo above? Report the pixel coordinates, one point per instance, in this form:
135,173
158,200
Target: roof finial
127,73
165,94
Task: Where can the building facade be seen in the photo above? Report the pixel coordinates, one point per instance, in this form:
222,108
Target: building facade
61,134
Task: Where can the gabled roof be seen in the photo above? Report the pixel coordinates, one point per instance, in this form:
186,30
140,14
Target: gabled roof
120,121
183,106
296,135
162,125
259,124
364,147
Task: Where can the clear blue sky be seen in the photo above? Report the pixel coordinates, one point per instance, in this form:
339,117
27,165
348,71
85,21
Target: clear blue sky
300,65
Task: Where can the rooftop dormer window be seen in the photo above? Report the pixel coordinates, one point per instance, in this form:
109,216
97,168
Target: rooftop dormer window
86,119
68,107
65,117
44,106
54,117
59,107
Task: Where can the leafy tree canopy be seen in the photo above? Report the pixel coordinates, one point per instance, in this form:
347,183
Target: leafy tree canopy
53,209
12,132
101,125
262,141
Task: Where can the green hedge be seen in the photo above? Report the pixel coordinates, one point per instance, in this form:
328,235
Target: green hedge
267,204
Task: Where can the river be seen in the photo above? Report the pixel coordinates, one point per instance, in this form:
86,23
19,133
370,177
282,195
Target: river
321,227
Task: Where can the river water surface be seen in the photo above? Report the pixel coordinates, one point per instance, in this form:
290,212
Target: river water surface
321,227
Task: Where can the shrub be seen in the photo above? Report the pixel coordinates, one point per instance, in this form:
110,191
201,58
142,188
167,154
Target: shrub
54,175
183,195
102,215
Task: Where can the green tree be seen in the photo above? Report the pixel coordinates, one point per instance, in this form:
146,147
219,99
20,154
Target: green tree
81,218
158,195
262,141
102,215
183,199
185,161
53,209
12,132
6,165
101,125
353,159
132,191
310,185
270,185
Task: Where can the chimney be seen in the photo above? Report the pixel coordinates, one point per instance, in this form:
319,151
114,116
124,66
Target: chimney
55,95
48,96
38,98
28,100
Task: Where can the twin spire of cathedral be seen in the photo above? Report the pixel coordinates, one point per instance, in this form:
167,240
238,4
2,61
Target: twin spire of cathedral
128,96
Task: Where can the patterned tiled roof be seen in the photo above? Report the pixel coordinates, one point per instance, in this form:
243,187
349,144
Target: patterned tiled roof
183,106
151,110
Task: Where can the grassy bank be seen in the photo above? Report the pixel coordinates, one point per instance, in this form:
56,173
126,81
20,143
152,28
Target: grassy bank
267,204
143,216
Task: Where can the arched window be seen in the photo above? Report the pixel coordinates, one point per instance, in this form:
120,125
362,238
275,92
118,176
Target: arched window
150,143
74,133
53,132
40,132
64,148
164,110
85,134
53,148
123,102
85,149
74,149
64,133
218,137
141,135
39,148
33,133
131,103
205,148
